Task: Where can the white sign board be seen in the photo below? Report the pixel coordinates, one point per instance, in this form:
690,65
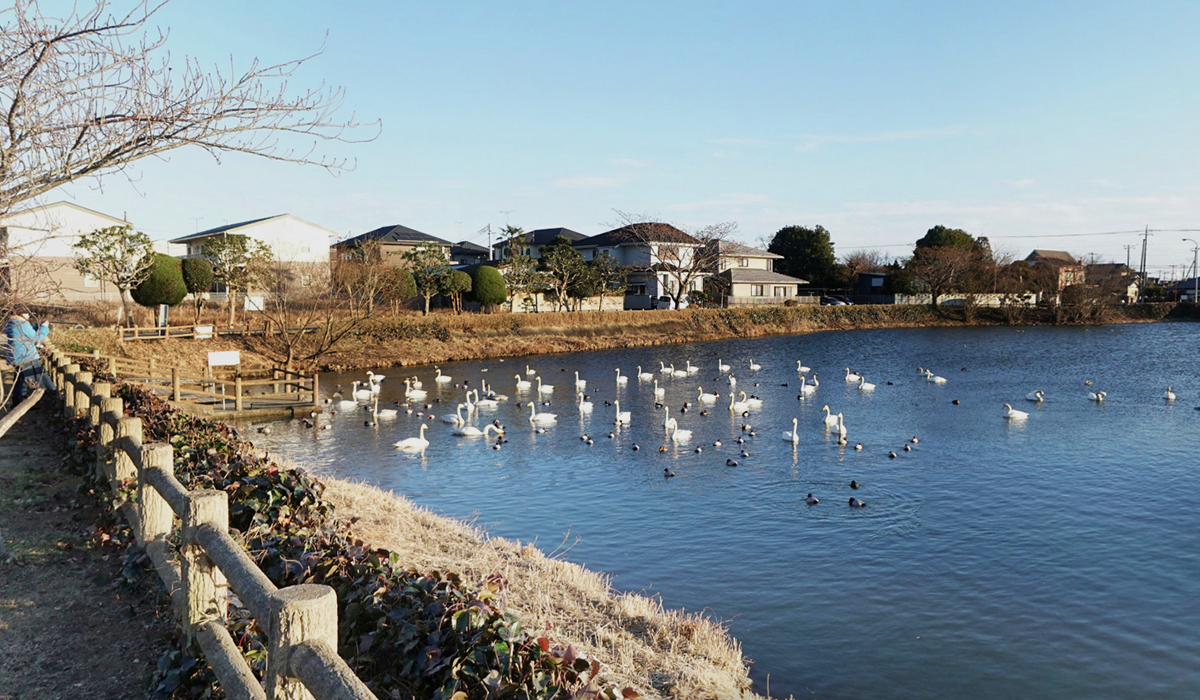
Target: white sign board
254,302
224,358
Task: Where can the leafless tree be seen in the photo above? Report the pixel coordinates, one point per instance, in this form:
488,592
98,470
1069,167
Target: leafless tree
91,91
684,257
942,268
862,261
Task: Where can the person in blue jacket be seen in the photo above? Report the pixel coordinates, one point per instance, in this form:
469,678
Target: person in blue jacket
22,353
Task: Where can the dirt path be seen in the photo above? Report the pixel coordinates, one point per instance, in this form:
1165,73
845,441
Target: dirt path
68,627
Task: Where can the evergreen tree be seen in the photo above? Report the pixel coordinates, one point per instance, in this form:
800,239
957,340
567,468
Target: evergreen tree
807,254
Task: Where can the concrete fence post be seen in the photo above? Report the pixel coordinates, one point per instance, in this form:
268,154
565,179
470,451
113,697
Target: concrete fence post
205,588
298,614
110,409
123,468
174,383
69,391
237,392
157,516
101,391
83,394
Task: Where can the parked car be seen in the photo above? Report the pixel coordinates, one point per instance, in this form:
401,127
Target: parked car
665,302
842,298
832,301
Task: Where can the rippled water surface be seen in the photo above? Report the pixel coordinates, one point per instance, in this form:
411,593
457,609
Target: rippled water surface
1058,557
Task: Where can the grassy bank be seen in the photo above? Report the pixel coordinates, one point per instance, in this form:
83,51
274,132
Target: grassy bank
414,340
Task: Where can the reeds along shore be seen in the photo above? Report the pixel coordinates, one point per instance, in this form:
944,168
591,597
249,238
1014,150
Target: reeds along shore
415,340
663,653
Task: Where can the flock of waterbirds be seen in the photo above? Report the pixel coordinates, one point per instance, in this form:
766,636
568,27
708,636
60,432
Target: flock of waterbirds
476,399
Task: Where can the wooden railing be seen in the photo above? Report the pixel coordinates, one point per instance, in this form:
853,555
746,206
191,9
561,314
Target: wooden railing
282,388
300,621
164,332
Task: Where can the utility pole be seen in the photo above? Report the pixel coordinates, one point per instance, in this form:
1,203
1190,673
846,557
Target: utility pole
1195,270
490,254
1142,272
1128,248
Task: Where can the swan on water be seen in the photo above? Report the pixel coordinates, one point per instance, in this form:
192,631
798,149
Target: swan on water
678,372
737,406
416,383
456,417
662,368
644,376
659,391
722,367
541,418
841,426
414,443
1035,396
805,387
864,385
792,437
413,393
1011,414
584,406
732,380
530,371
830,418
754,366
385,413
360,393
668,421
522,384
544,388
814,381
678,435
933,378
801,368
623,417
621,379
580,383
1170,395
1097,396
851,376
487,402
753,401
472,431
441,378
706,398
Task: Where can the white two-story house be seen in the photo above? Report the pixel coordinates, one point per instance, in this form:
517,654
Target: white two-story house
660,260
746,275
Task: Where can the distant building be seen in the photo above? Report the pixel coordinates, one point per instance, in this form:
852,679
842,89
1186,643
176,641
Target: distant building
37,258
393,241
1119,278
468,253
532,242
1068,269
290,238
648,251
1185,290
746,275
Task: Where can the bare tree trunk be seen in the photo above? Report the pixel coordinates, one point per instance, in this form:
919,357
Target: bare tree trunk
231,298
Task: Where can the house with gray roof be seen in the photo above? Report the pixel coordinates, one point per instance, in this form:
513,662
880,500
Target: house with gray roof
468,253
649,251
392,242
746,275
532,242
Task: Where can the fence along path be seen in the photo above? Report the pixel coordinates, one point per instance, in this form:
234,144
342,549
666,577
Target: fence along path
300,621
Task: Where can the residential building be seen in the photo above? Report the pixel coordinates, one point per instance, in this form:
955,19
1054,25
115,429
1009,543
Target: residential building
37,255
1186,290
1118,278
533,242
653,254
289,238
1068,270
393,241
746,275
468,253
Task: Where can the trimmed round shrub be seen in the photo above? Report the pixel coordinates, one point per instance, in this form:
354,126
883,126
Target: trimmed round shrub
488,286
164,285
398,284
197,275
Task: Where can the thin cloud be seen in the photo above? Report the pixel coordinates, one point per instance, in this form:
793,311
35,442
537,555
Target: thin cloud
811,142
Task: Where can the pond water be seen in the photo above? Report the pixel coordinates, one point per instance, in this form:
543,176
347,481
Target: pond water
1058,556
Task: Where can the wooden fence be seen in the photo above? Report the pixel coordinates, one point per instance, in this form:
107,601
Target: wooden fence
237,390
300,621
203,332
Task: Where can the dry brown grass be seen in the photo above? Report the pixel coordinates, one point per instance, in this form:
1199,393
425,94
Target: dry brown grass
662,653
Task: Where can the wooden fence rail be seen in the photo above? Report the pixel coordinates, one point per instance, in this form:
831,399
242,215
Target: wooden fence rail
300,621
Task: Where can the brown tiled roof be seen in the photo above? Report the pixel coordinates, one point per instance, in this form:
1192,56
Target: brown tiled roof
1056,257
650,232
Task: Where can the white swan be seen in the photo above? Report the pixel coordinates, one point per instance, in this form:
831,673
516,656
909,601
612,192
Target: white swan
678,372
362,394
801,368
1170,395
441,378
931,377
343,402
530,371
806,388
678,435
374,380
752,401
814,381
830,418
385,413
472,431
416,383
722,367
1035,396
737,406
644,376
706,398
522,384
1097,396
470,406
623,417
841,425
754,366
691,369
414,443
487,402
544,388
580,383
851,376
731,380
792,437
584,406
541,418
663,369
668,421
1013,414
659,391
456,417
621,379
864,385
412,393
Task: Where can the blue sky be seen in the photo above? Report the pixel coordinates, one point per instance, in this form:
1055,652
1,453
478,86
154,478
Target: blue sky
876,120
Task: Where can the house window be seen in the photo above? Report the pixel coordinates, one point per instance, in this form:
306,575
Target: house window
743,262
1069,276
305,249
781,291
305,280
756,290
637,289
